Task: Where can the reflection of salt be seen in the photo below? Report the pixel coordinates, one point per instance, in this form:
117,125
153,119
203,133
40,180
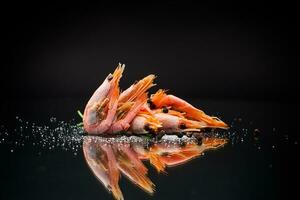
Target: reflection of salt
174,139
170,137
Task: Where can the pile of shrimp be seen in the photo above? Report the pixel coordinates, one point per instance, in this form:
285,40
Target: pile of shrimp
110,111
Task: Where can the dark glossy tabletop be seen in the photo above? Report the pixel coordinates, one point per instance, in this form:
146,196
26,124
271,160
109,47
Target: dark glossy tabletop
258,162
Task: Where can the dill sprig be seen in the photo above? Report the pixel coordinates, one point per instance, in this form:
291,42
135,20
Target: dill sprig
80,115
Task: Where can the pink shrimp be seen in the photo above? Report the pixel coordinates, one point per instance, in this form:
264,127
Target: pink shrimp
102,106
130,103
174,122
160,99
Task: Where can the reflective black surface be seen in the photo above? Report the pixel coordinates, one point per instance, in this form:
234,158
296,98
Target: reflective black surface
262,165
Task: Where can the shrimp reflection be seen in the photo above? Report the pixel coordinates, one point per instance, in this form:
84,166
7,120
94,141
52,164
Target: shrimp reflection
108,158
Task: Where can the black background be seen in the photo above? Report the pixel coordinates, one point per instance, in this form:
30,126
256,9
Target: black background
214,50
238,52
